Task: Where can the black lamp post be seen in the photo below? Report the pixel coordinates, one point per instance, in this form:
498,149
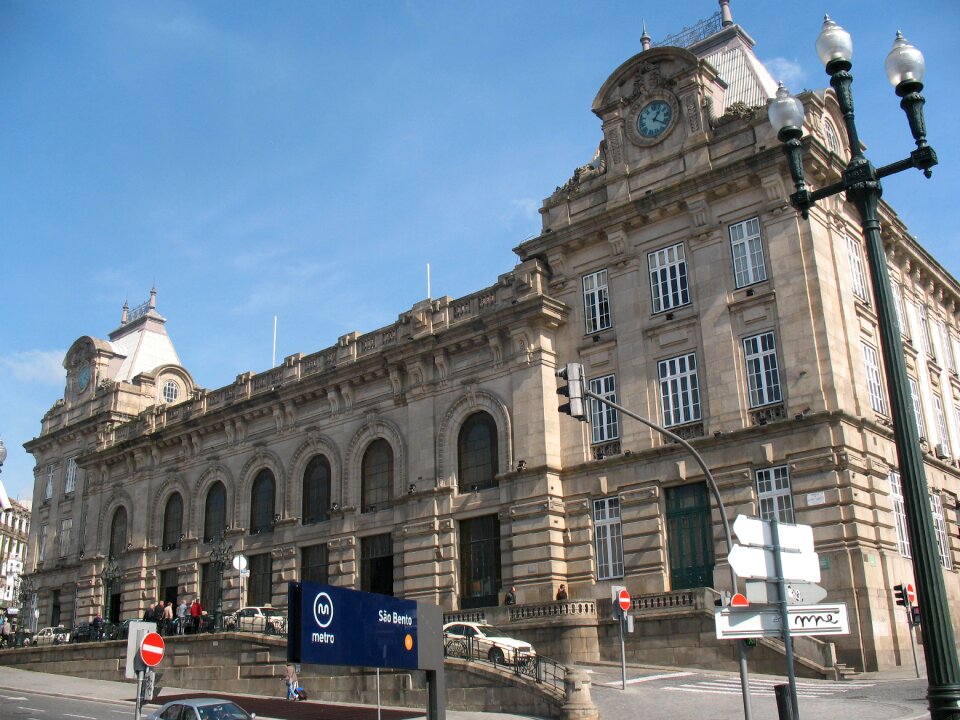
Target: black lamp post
109,575
861,183
24,593
220,556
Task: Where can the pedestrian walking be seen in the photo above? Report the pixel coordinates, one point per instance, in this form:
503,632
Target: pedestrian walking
196,610
168,618
148,614
98,627
290,677
183,611
511,597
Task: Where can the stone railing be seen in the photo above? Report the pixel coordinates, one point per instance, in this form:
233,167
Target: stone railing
552,609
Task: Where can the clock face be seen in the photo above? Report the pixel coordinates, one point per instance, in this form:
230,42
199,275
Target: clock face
654,119
83,378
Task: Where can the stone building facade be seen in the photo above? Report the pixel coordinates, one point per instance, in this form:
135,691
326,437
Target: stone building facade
427,459
14,532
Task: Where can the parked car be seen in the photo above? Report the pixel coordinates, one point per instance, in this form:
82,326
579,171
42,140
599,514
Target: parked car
486,640
270,620
83,632
202,709
51,636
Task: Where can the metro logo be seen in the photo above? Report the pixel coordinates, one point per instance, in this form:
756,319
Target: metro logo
323,609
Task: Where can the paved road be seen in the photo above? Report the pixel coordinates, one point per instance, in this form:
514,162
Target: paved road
672,694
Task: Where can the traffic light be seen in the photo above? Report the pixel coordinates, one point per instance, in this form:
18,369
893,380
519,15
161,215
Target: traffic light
900,594
914,615
573,374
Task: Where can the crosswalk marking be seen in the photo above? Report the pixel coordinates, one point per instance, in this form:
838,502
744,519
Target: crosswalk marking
731,686
647,678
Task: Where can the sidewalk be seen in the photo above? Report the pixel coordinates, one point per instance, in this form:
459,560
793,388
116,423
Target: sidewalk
266,708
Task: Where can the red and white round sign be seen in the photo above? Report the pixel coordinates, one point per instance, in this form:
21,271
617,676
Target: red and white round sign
151,649
623,599
910,593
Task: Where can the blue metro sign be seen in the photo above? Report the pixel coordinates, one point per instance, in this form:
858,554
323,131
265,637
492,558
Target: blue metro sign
338,626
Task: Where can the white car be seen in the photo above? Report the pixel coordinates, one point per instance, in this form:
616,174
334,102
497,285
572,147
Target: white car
269,620
51,636
486,640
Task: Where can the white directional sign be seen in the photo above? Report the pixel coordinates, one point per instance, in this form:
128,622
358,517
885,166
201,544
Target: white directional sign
754,531
762,592
824,619
758,562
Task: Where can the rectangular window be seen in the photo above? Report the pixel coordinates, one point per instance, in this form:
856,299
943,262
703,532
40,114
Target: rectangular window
940,526
773,494
763,372
857,278
480,576
314,564
609,538
71,483
66,525
376,564
42,543
941,422
747,251
917,408
898,306
925,337
48,488
668,278
948,354
871,364
596,301
679,390
604,420
209,585
260,591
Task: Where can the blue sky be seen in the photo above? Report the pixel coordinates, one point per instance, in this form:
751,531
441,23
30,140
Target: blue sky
308,159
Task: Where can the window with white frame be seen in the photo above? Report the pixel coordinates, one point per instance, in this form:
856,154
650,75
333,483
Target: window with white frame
773,494
170,392
604,420
925,337
899,514
898,306
66,525
42,543
857,277
747,251
596,301
668,278
917,408
871,364
763,372
830,135
949,357
608,537
941,422
940,526
71,482
679,390
48,487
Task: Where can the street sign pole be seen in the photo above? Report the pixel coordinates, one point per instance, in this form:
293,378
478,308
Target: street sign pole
913,639
787,642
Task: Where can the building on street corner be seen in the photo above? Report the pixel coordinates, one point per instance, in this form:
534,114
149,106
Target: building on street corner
427,459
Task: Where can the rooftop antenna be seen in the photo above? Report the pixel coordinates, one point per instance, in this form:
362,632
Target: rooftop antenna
273,362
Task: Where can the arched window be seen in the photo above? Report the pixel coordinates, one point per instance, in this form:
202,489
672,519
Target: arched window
316,491
477,453
118,532
376,482
261,502
172,521
215,512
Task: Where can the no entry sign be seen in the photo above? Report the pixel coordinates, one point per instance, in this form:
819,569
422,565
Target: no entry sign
623,599
151,649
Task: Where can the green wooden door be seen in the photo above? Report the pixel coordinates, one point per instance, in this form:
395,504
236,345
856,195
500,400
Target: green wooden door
689,536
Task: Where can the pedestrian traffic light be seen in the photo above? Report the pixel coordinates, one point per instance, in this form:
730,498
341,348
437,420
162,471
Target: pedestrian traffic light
914,615
573,374
900,594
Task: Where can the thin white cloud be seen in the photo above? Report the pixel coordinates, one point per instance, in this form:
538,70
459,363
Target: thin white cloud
35,366
789,72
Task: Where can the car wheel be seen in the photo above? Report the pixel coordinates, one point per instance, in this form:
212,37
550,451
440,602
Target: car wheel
271,630
496,656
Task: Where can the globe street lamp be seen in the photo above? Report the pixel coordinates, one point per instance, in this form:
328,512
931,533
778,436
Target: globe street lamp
109,575
861,184
24,593
220,556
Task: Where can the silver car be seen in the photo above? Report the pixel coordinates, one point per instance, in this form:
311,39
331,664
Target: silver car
202,709
51,636
269,620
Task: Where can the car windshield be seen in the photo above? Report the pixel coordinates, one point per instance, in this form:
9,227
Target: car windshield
222,711
491,631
